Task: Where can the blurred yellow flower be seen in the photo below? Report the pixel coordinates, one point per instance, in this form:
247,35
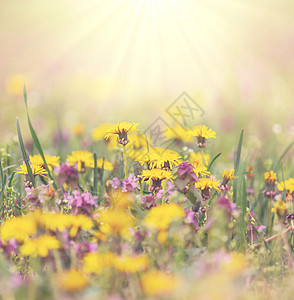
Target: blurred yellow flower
115,221
36,170
40,246
78,129
19,228
199,158
279,207
121,200
106,165
77,222
178,133
53,221
15,83
95,262
270,177
161,216
202,133
287,185
158,283
121,129
72,280
82,159
129,264
228,176
99,133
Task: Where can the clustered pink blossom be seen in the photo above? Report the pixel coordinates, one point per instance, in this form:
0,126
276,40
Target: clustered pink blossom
81,203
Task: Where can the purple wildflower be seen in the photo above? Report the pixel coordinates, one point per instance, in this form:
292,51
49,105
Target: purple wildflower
67,174
115,183
227,205
81,203
9,247
185,176
149,201
130,183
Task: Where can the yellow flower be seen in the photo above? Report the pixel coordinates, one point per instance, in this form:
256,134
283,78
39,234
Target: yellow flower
158,283
138,141
95,262
78,129
199,158
205,184
19,228
129,264
287,185
99,133
279,208
40,246
53,221
161,216
50,160
200,170
121,129
178,133
121,200
115,221
228,176
82,159
156,174
36,170
202,133
107,165
72,280
79,221
164,158
15,83
270,177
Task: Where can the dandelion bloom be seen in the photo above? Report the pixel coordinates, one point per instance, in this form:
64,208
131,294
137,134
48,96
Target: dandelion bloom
77,222
82,159
205,184
50,160
120,199
115,221
270,177
36,170
40,246
158,283
72,280
156,175
121,129
95,262
202,133
164,158
131,264
18,228
178,133
287,185
106,164
199,158
227,176
78,129
99,133
279,208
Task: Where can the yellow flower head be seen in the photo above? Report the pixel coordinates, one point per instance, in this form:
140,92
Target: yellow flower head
99,133
202,133
279,208
107,165
287,185
270,177
78,129
200,170
77,222
121,129
82,159
115,221
95,262
72,280
19,228
158,283
138,141
15,83
205,184
50,160
36,170
228,176
178,133
53,221
40,246
164,158
129,264
120,199
199,158
161,216
156,174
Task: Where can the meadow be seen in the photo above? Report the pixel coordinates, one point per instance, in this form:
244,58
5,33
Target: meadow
111,215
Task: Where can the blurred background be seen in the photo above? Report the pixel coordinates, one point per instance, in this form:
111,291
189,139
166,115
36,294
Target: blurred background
104,61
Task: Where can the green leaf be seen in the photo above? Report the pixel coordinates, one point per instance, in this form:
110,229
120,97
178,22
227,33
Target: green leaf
24,154
101,182
95,175
213,160
237,163
36,140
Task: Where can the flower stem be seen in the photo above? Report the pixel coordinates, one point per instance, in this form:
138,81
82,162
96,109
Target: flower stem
125,162
270,216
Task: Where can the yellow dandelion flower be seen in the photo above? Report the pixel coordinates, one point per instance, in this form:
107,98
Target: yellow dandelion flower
287,185
178,133
77,222
156,174
14,84
99,133
205,184
200,170
106,165
202,133
95,262
227,176
161,216
82,159
53,221
121,200
78,129
19,228
158,283
199,158
164,158
36,170
279,208
50,160
270,177
72,280
121,129
138,141
129,264
116,222
40,246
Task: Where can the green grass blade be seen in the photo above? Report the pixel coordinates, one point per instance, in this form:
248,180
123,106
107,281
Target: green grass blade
237,163
213,160
1,174
36,140
95,175
24,154
101,182
282,156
